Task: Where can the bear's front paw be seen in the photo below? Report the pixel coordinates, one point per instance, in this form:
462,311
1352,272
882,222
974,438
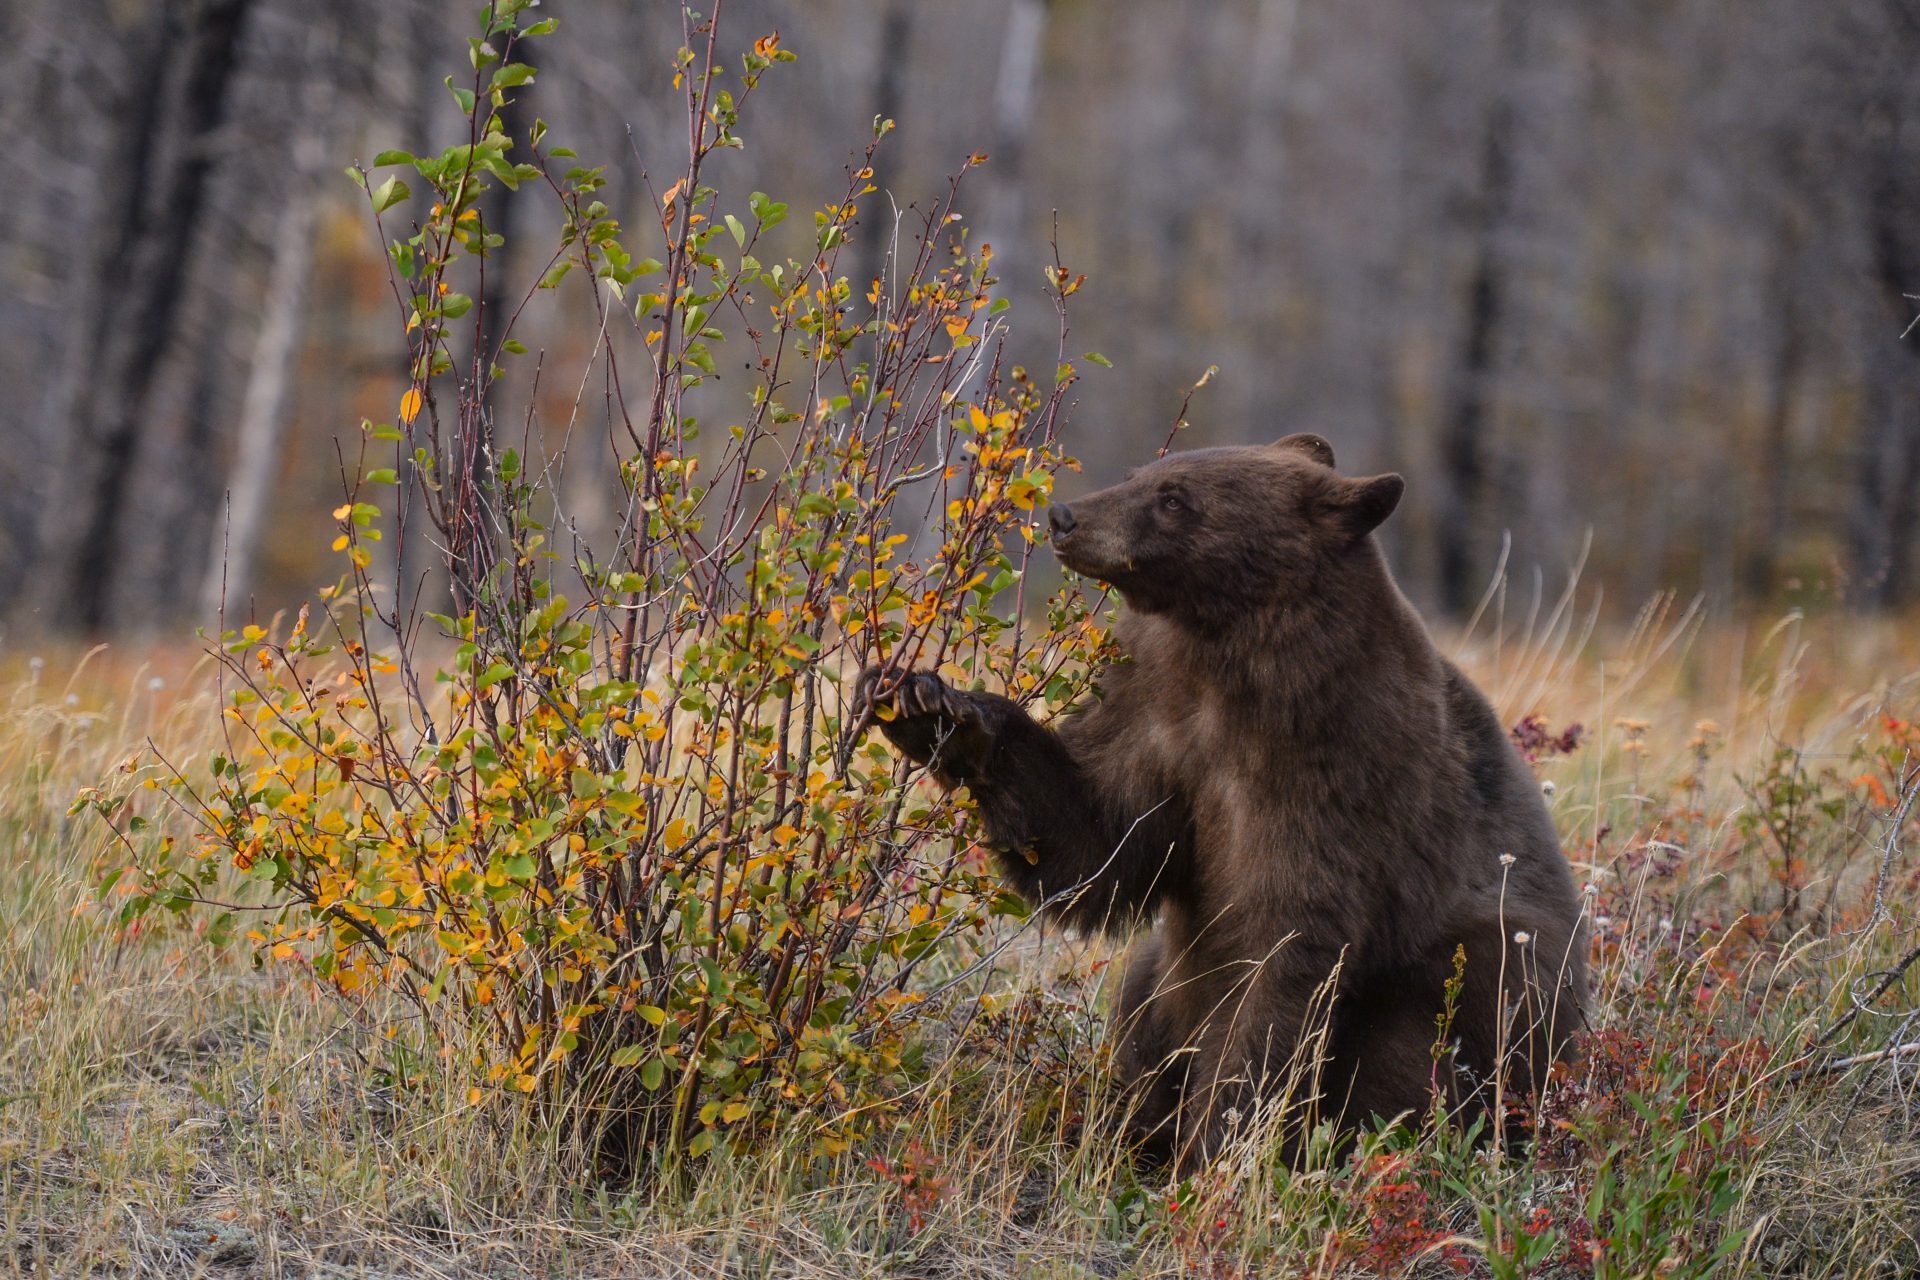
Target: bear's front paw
928,720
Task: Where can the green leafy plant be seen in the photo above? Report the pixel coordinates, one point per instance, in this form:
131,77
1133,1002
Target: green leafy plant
607,837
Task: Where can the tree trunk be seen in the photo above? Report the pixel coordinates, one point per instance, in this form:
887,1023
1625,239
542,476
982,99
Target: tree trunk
1013,98
1888,469
890,60
1465,461
234,555
1257,205
419,579
497,217
1771,518
159,174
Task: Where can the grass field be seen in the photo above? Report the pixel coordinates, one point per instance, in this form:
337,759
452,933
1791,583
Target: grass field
167,1108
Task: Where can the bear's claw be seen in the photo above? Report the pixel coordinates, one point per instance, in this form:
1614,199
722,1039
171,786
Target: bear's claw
924,717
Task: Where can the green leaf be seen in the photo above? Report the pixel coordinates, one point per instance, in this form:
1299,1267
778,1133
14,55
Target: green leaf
383,475
628,1056
389,193
462,96
556,275
739,232
514,73
1099,359
654,1074
392,157
455,305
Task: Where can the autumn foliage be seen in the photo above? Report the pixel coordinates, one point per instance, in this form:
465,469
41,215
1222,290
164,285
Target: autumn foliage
605,837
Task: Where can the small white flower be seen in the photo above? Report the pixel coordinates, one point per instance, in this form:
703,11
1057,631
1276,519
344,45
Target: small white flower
1602,921
1522,937
1506,859
73,699
1547,788
1590,888
1232,1117
36,664
156,683
1666,926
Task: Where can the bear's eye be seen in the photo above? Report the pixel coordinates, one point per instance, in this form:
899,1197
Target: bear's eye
1171,501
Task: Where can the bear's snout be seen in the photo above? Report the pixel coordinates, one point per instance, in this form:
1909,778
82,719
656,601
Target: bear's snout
1060,519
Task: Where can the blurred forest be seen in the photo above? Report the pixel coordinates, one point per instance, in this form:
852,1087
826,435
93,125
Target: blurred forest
1633,271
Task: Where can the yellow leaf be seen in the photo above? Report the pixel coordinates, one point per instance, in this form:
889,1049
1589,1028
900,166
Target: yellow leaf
410,404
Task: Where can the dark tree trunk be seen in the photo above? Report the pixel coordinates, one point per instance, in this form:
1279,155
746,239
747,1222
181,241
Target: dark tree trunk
158,174
1465,456
1771,514
476,441
419,580
498,209
1888,467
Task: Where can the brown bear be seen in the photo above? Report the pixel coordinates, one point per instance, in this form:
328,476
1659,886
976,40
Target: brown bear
1321,815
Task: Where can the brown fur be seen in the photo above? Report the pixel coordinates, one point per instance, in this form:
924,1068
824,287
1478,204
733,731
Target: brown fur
1308,800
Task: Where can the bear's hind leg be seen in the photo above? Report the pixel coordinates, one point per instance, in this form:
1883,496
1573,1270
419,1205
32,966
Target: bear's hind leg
1150,1065
1519,1009
1382,1064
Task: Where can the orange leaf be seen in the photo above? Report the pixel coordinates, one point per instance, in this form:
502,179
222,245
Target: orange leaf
410,404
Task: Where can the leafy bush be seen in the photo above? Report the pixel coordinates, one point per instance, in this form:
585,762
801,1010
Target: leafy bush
607,835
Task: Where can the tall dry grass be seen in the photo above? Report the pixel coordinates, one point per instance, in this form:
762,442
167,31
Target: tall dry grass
170,1109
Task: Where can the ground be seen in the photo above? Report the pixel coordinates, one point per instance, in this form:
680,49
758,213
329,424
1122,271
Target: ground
168,1108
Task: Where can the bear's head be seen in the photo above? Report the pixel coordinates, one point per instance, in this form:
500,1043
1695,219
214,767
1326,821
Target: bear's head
1213,533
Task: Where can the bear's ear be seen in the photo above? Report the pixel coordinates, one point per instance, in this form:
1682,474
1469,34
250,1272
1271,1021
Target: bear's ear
1315,447
1359,505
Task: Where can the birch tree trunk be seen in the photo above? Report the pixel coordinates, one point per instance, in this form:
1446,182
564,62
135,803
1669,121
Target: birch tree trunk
891,52
1015,89
233,558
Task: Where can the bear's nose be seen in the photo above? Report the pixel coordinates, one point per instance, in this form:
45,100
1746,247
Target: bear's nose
1061,518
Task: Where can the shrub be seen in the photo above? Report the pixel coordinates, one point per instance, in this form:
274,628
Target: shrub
607,837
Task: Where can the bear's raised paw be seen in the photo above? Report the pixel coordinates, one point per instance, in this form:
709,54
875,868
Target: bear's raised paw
927,720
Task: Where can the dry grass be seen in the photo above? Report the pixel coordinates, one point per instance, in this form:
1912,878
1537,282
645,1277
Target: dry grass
169,1110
